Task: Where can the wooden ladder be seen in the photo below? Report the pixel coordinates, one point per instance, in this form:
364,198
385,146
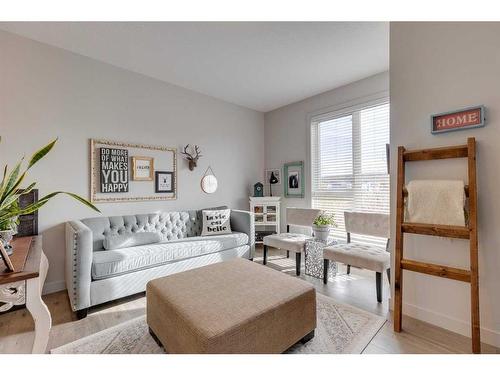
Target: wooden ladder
470,276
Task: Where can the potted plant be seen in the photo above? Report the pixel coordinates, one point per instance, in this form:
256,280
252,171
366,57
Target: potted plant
322,224
11,190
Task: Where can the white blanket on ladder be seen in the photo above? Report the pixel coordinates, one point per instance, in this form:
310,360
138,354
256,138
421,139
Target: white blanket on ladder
436,202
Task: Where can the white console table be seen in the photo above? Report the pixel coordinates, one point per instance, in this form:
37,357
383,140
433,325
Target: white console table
266,212
25,285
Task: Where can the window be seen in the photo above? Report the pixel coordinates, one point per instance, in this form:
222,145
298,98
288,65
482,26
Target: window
349,166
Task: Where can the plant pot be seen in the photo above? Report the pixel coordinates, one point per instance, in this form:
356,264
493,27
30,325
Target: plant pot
321,232
5,237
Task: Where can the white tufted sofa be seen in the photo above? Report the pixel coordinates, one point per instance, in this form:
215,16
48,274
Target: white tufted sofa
95,275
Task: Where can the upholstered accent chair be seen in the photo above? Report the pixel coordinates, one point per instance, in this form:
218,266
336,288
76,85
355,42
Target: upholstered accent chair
289,241
373,258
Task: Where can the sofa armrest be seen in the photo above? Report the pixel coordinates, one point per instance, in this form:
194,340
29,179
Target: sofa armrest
243,221
78,264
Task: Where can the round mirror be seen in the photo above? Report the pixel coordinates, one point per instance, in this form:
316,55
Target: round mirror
209,184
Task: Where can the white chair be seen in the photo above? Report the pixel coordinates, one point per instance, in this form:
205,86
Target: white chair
295,242
373,258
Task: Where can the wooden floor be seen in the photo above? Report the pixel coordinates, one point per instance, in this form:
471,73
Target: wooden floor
357,289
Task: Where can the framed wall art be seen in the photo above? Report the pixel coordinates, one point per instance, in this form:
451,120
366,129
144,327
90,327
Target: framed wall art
123,172
164,182
142,168
113,174
273,173
467,118
294,179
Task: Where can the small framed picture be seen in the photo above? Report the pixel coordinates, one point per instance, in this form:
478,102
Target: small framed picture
164,182
6,259
142,168
275,174
294,174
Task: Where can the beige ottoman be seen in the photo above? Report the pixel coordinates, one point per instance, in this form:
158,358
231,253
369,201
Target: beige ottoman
231,307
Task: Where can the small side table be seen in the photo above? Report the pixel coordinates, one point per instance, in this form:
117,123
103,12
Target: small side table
314,258
25,286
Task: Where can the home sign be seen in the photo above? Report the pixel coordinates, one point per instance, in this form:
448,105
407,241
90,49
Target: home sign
467,118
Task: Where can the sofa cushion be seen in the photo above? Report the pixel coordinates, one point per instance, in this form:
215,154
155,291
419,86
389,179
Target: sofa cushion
287,241
372,258
112,263
216,222
119,241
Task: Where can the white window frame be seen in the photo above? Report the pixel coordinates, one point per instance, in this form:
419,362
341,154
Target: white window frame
333,112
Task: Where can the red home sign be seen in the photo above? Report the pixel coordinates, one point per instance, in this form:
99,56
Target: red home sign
465,118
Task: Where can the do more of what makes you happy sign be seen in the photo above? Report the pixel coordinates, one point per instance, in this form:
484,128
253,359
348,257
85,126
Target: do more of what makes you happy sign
114,170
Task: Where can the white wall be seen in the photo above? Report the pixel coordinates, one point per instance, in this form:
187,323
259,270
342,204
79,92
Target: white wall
437,67
47,92
287,128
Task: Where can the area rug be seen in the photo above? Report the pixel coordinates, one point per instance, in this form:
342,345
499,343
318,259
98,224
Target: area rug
341,329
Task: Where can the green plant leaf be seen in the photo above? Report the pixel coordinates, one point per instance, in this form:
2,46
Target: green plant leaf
11,179
41,153
35,206
3,180
10,192
14,188
81,200
28,189
6,203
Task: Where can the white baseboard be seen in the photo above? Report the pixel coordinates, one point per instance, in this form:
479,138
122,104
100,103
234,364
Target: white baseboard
488,336
53,286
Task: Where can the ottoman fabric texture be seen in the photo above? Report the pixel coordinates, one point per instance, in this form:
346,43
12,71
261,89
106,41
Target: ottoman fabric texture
231,307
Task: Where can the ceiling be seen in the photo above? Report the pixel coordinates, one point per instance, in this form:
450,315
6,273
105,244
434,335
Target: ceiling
259,65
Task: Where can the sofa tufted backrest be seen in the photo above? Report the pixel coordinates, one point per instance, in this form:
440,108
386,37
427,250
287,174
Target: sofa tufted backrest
170,225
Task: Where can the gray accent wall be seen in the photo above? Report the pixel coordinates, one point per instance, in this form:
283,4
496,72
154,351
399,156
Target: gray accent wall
439,67
46,92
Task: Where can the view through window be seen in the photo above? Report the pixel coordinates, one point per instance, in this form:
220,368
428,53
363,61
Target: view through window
349,165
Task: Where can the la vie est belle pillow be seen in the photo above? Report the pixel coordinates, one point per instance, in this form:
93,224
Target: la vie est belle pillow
216,222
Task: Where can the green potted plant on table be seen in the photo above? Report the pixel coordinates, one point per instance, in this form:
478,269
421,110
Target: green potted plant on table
11,190
321,226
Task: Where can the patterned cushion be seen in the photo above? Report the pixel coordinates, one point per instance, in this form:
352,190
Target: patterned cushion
111,263
287,241
363,256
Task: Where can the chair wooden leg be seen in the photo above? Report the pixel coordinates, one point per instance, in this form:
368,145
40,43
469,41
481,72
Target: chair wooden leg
326,265
348,269
378,277
264,262
288,253
298,259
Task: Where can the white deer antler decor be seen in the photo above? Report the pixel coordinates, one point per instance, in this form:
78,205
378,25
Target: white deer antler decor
192,158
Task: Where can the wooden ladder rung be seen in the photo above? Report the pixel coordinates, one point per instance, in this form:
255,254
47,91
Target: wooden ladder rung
436,153
451,231
436,270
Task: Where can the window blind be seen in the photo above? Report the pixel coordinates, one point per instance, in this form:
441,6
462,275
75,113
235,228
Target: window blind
348,164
